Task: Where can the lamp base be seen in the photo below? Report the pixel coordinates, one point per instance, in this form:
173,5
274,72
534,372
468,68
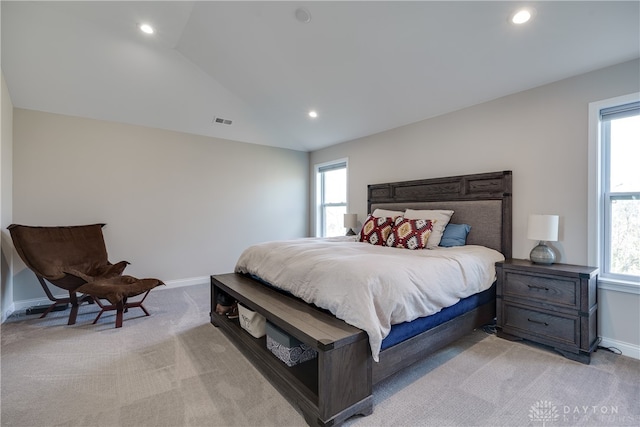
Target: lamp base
542,254
351,232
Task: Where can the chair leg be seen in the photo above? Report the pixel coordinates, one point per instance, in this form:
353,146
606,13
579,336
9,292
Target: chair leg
73,299
139,303
144,309
119,310
120,307
48,310
56,301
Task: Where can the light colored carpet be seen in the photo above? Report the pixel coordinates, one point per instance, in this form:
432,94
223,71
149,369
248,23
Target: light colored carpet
175,369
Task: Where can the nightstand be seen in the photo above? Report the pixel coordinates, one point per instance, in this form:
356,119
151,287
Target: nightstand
554,305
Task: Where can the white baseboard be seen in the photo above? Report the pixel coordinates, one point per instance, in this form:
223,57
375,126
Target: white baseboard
185,282
26,303
8,312
627,349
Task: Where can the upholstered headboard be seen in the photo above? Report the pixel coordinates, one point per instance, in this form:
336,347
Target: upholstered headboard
481,200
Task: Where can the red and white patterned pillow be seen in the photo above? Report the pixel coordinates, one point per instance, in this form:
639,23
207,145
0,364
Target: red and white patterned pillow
410,233
375,230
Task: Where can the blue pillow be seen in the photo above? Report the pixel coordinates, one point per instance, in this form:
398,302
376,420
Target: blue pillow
455,235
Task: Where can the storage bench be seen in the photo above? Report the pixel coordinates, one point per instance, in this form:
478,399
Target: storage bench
328,389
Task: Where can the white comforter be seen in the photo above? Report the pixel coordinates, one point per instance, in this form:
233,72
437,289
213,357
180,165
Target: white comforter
372,287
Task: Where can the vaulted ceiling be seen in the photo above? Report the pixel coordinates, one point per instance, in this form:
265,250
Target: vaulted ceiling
364,66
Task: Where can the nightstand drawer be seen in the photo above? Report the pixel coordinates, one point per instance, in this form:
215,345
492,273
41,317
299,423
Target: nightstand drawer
560,329
539,288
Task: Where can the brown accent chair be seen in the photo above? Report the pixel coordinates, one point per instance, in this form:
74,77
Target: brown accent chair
67,257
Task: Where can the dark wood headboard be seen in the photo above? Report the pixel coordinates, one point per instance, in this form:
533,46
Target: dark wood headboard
481,200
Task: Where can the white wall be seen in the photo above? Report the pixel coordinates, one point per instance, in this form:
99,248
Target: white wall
6,204
179,207
540,134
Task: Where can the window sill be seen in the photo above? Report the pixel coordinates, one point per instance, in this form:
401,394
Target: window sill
626,286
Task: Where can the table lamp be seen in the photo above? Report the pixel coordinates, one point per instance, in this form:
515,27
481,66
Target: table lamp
543,228
350,222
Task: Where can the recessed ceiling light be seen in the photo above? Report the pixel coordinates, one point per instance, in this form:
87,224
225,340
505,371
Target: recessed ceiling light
522,16
146,28
313,114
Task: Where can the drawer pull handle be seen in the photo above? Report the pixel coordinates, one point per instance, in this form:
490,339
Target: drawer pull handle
538,287
538,322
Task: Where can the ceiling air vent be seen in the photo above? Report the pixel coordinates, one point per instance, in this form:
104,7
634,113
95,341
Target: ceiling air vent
221,121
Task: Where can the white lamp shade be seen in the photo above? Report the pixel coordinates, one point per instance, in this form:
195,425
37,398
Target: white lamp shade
543,227
350,220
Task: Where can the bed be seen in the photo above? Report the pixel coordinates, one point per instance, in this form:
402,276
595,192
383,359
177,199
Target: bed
338,384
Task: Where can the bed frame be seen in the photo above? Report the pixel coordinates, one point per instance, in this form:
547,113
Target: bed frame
339,382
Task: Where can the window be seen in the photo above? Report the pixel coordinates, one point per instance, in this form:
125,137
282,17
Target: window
331,190
616,185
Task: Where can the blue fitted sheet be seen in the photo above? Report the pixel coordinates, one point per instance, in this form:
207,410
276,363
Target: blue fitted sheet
406,330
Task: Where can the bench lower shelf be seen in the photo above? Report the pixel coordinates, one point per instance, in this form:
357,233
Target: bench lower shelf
327,390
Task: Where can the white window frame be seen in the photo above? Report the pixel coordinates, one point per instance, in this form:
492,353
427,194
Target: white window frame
319,220
595,199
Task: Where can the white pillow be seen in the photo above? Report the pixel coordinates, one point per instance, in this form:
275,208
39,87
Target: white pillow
385,213
439,218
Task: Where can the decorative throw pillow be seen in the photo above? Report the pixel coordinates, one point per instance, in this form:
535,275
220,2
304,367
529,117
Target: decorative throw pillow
387,213
375,230
410,233
439,218
455,235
